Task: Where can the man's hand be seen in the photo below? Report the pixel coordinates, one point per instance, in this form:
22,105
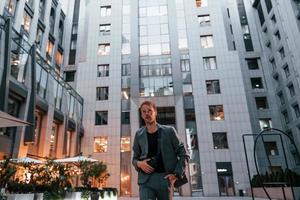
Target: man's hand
143,165
172,178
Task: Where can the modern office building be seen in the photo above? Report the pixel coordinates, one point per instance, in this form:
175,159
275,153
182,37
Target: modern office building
211,66
32,87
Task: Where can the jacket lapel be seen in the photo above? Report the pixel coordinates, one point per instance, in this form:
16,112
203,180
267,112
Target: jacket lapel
144,143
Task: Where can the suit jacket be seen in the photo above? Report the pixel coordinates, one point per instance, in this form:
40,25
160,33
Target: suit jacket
173,153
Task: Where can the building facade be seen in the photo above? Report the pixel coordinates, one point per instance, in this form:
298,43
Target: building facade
32,54
211,66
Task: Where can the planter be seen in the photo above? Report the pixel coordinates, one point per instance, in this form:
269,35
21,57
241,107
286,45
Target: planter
38,196
73,196
276,192
93,196
20,197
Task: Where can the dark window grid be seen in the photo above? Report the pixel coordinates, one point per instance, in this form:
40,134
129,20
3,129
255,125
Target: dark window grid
103,70
101,118
220,140
213,87
102,93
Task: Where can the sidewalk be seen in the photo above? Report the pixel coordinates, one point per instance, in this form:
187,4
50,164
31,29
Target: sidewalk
201,198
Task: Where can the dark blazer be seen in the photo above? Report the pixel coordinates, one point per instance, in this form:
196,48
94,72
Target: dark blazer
173,153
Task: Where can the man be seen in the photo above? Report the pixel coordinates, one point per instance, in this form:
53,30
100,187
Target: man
159,157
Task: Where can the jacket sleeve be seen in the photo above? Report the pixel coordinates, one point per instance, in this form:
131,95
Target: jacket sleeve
136,153
181,154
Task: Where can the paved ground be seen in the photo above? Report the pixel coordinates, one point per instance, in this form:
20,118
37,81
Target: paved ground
203,198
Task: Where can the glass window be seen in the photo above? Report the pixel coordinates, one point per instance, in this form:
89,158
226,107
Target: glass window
220,140
277,35
103,49
75,29
26,22
126,69
210,63
103,70
252,64
100,144
261,103
53,140
281,53
101,93
105,11
166,115
201,3
256,83
42,9
11,6
269,5
286,71
101,118
265,123
104,29
125,144
185,65
59,58
52,20
292,90
206,41
125,117
70,76
285,116
50,47
216,112
125,93
213,87
281,98
39,38
296,110
204,20
73,44
271,148
260,14
60,32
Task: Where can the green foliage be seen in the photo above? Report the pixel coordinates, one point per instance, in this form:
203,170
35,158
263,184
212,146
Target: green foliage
7,171
287,176
91,169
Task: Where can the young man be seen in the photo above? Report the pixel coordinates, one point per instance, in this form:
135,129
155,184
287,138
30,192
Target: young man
159,157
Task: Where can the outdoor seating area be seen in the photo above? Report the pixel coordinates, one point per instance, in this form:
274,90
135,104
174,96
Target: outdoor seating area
76,177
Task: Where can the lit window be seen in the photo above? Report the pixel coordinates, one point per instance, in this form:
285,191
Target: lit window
125,144
11,6
100,144
216,112
265,123
50,46
125,93
207,41
256,83
271,148
103,49
105,11
201,3
59,58
26,22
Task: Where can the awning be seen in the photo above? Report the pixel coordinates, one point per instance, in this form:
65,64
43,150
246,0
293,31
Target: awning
7,120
